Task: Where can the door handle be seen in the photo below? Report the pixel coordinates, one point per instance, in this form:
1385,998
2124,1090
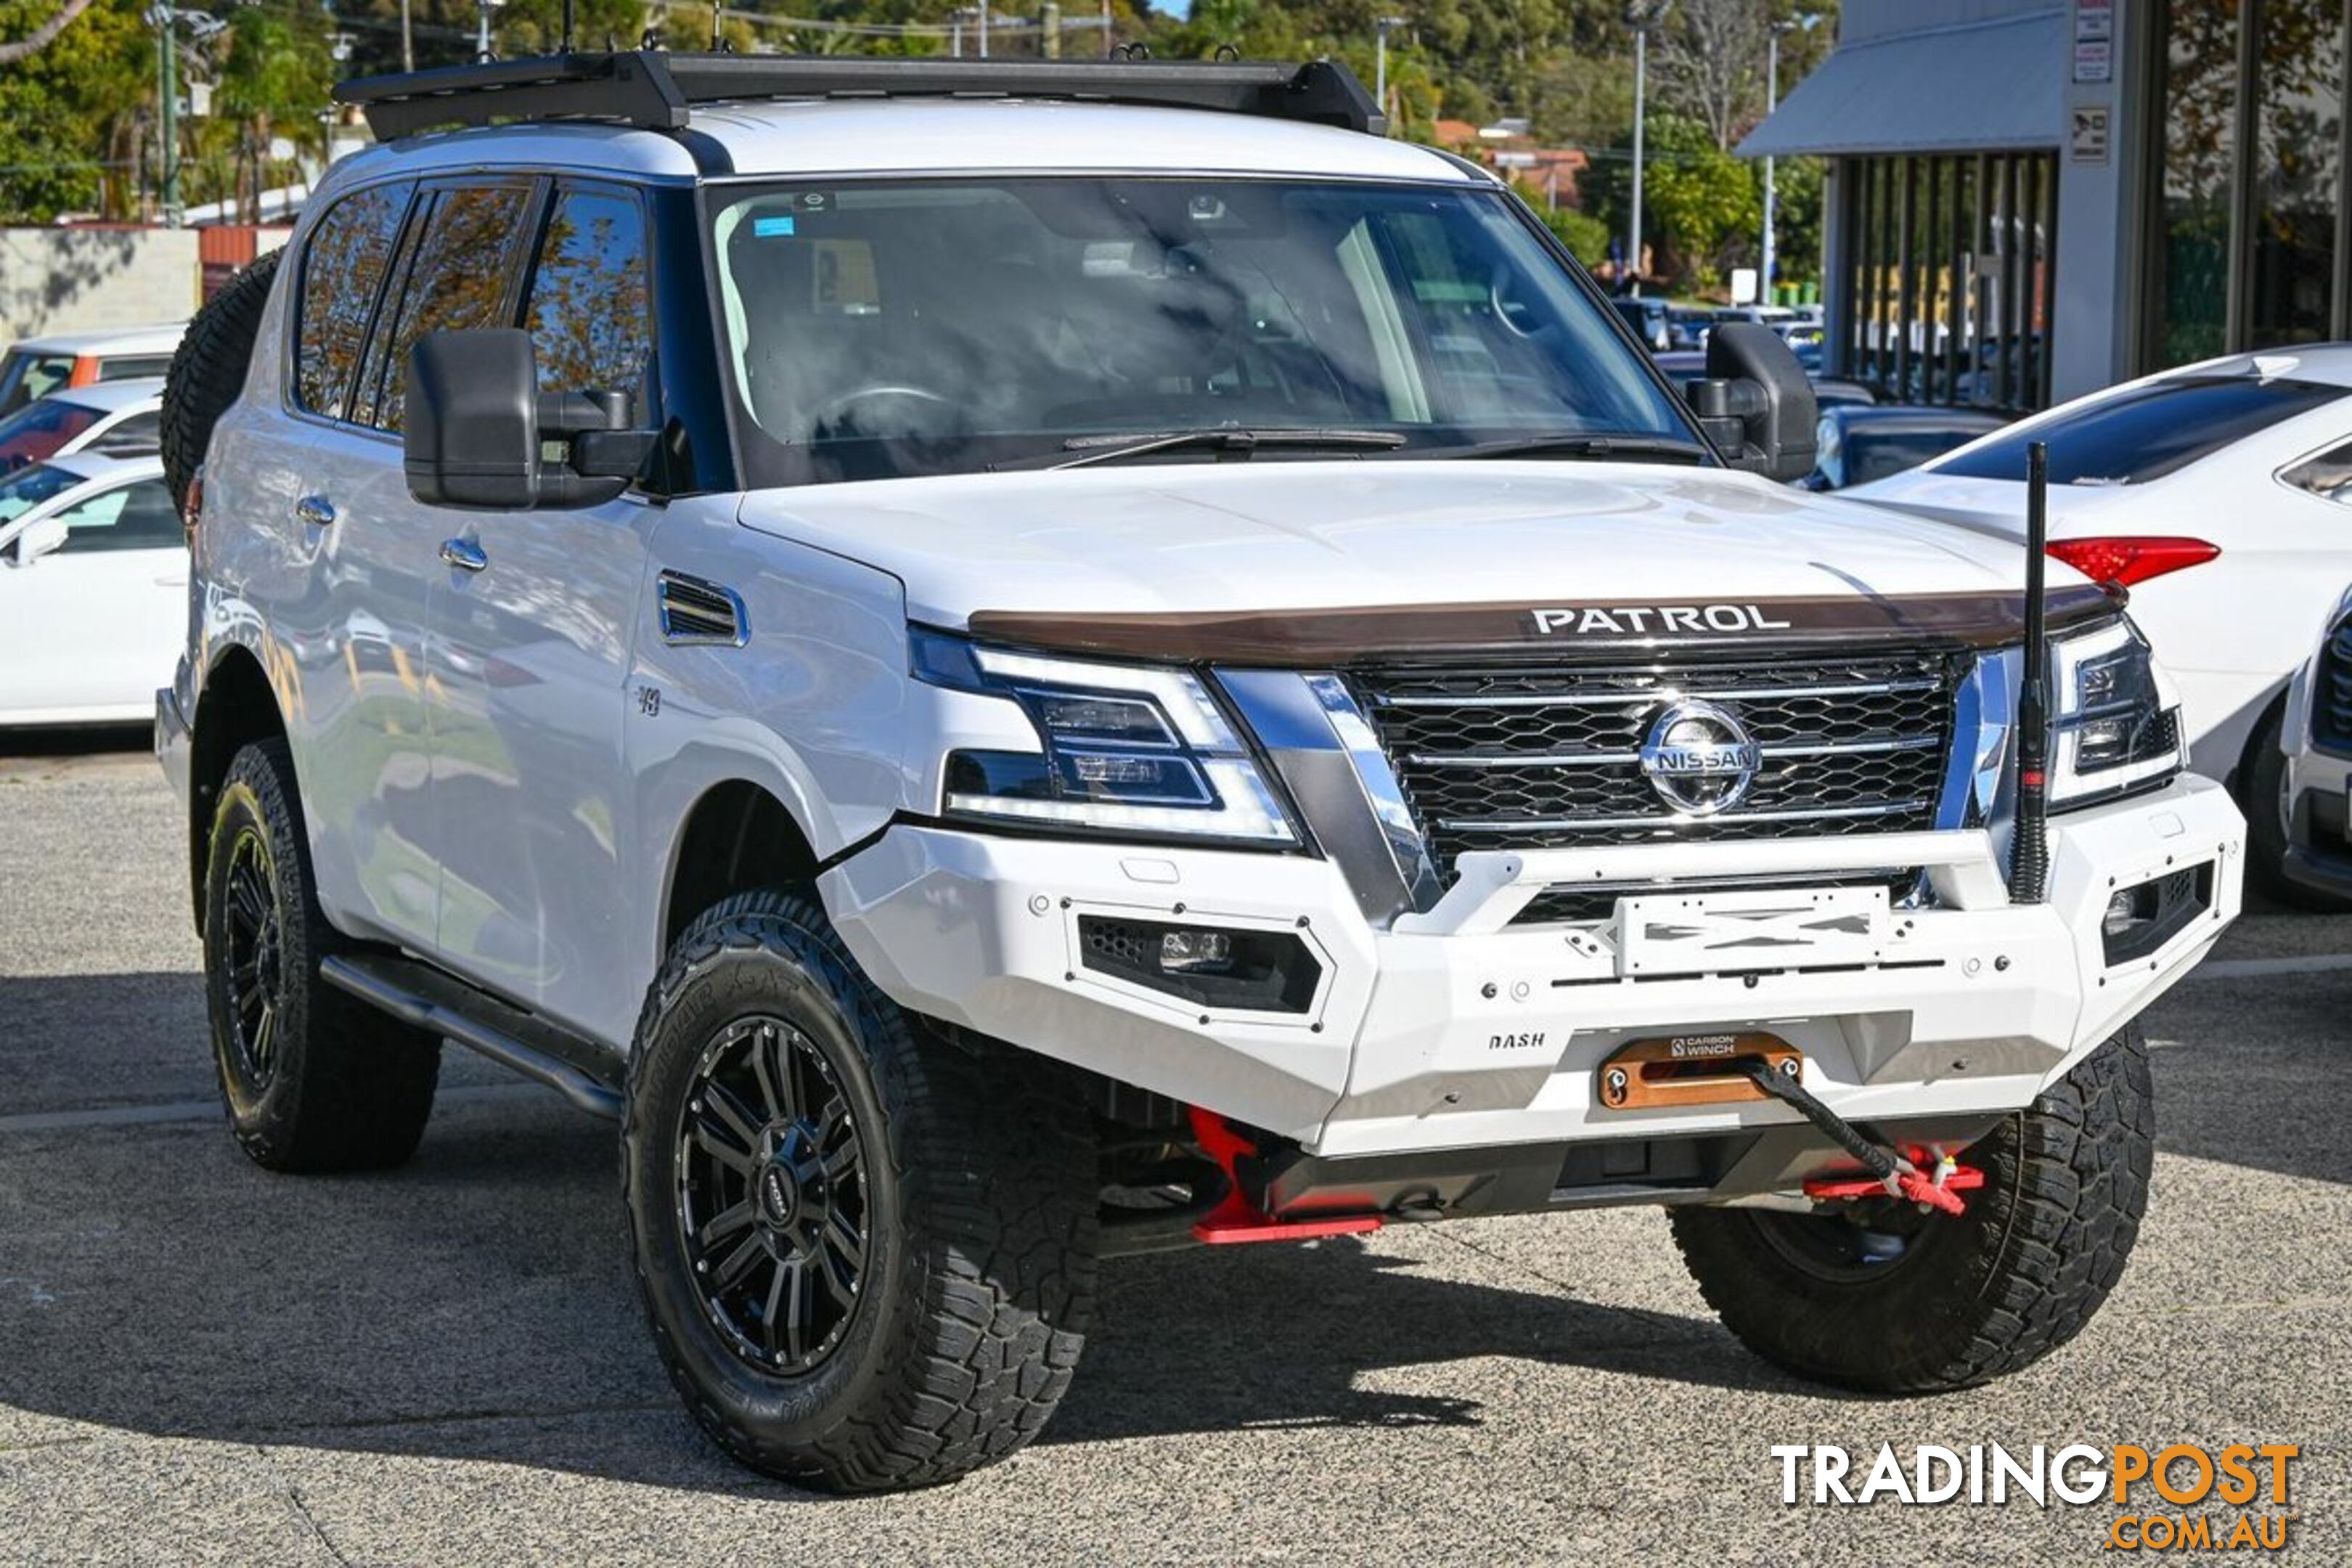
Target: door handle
463,554
315,511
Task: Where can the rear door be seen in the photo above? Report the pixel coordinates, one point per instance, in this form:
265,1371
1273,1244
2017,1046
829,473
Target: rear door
91,630
343,582
531,655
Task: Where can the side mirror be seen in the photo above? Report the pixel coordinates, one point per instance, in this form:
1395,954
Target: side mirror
42,536
477,426
1756,404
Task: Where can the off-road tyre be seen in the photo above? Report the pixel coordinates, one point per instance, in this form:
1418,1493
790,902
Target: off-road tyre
207,370
1976,1295
2260,776
339,1086
979,1214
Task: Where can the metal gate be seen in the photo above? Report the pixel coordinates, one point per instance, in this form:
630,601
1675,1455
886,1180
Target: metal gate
1947,281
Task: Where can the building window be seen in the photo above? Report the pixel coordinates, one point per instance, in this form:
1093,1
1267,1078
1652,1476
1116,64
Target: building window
1949,276
2245,247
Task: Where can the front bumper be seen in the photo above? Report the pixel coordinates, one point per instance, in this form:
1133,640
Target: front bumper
2318,836
1453,1030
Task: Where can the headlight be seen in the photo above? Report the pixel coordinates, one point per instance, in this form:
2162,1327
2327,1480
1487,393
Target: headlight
2115,725
1122,749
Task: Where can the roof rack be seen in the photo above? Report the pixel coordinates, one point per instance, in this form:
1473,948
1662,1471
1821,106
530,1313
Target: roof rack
658,89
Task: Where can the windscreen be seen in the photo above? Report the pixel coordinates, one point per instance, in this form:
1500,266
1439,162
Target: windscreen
2144,433
879,328
40,430
26,488
26,375
1877,454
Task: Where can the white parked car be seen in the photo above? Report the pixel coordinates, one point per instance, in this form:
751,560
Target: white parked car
93,591
2297,818
2219,494
113,418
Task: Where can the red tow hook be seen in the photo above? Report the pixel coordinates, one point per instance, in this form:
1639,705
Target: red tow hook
1235,1218
1941,1191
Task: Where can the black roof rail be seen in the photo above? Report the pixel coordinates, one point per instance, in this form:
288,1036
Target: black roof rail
658,89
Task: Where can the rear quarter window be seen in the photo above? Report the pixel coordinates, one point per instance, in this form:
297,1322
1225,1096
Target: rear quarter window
2147,432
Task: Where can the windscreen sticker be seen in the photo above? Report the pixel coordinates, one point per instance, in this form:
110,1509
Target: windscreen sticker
844,281
771,227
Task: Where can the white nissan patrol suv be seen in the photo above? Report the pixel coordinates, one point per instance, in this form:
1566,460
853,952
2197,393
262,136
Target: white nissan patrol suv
1013,662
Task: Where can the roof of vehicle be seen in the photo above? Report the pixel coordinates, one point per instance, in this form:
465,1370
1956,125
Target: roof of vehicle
111,397
927,136
160,338
2330,365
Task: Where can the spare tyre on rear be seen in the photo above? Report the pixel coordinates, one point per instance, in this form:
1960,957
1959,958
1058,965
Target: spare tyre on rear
208,371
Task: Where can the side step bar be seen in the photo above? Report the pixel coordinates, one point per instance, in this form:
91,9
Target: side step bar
418,994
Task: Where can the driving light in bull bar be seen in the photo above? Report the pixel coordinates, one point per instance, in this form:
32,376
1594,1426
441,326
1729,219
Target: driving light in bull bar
2115,723
1124,749
1186,952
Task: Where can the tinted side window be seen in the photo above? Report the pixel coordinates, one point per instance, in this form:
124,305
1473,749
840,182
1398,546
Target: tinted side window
590,311
457,280
2144,434
135,517
142,433
343,269
129,369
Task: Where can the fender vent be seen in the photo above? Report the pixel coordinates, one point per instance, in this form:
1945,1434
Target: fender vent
694,611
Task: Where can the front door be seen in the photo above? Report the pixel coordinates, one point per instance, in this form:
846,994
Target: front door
531,645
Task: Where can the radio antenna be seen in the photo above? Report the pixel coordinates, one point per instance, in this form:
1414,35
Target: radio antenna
2029,861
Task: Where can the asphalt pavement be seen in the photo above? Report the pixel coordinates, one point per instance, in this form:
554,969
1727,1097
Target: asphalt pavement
203,1362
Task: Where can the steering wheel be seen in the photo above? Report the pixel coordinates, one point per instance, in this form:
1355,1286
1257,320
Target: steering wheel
896,412
1514,313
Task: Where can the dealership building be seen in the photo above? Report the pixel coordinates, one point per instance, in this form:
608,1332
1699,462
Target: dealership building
2029,199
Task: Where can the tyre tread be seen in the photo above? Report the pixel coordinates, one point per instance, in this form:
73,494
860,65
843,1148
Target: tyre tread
2063,1226
996,1161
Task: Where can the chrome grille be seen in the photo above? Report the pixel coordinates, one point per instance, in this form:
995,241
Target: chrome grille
2331,692
1530,757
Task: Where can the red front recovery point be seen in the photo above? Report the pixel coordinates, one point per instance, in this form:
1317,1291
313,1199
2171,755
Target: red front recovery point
1235,1218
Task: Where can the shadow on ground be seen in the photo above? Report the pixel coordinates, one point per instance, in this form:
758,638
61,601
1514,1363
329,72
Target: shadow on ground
151,1280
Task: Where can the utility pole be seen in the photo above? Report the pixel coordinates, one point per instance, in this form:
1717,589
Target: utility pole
1641,88
1049,23
407,40
482,9
1380,60
1781,29
983,29
162,18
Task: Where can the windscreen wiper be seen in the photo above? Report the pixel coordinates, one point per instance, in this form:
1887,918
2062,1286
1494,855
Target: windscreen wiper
1235,439
1598,446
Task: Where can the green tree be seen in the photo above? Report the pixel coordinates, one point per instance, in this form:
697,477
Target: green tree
1702,208
1586,236
70,112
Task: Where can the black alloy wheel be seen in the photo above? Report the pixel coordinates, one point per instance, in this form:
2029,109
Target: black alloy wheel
771,1195
255,941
